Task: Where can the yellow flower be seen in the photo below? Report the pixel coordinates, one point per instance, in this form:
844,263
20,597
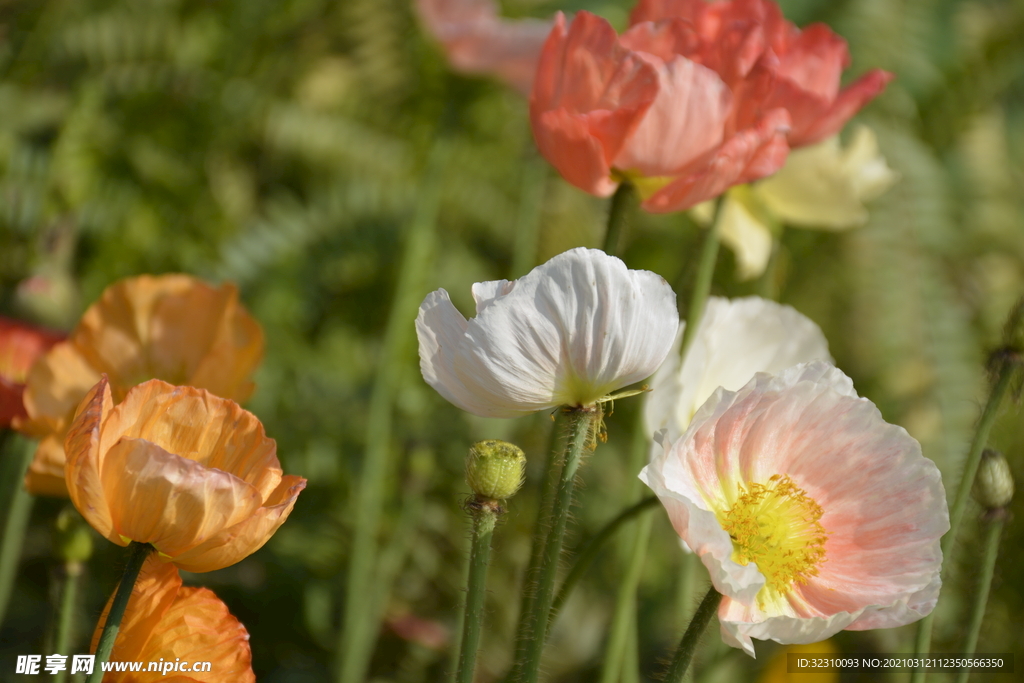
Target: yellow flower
171,327
176,467
823,186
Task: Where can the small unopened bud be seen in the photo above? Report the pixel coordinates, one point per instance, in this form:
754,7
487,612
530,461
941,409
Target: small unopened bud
495,469
993,487
72,537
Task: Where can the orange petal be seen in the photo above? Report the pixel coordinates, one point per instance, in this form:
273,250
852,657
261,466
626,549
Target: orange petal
82,471
56,386
197,425
245,538
169,501
167,621
45,476
154,592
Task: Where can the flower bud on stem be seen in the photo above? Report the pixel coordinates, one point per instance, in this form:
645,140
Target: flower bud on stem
137,554
495,471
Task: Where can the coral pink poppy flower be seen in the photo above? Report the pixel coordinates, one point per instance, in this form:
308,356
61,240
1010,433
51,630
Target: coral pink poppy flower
811,513
606,108
778,64
478,41
568,333
191,474
20,345
180,625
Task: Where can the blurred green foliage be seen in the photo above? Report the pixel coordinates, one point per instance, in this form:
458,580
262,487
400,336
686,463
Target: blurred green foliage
281,143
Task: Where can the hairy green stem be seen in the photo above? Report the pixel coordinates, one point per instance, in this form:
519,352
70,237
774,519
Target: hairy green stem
995,520
16,454
702,284
589,553
618,214
525,626
360,620
66,616
923,641
484,517
137,554
688,645
581,432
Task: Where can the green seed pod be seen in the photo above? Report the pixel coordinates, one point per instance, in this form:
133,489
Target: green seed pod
993,487
72,537
495,469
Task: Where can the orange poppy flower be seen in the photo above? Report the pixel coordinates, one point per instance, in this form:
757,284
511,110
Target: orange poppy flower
20,345
180,625
188,472
172,327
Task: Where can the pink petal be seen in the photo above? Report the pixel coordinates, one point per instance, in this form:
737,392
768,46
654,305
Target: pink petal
749,155
685,122
589,95
478,41
851,100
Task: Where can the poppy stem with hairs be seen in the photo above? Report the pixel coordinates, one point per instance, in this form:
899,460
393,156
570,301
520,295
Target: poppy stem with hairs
994,520
484,514
1006,370
582,423
688,645
137,554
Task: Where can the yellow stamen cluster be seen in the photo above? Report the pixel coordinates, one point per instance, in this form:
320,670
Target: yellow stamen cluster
775,525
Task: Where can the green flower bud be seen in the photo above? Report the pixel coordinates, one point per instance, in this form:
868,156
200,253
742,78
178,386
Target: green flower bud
993,487
72,537
495,469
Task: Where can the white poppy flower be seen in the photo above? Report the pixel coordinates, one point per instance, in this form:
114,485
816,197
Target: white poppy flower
568,333
810,512
736,339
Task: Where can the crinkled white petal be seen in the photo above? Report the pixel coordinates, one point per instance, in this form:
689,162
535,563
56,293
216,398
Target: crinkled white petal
739,623
570,332
736,339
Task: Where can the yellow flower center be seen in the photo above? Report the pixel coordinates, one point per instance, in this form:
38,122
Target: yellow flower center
775,525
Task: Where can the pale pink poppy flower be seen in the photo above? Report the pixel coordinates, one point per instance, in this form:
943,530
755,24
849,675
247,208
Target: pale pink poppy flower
478,41
569,333
781,65
810,512
607,108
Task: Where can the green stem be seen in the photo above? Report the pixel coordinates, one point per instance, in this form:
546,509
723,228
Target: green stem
581,428
16,453
484,518
528,220
618,212
625,606
586,557
702,285
359,624
137,554
635,552
66,618
688,645
923,641
525,627
996,519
